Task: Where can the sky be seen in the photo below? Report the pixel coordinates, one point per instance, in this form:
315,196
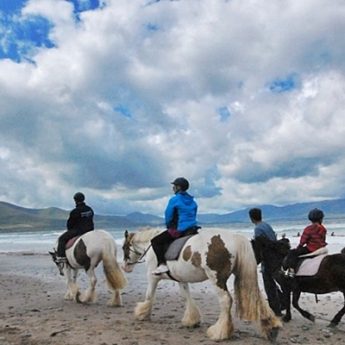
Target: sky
117,98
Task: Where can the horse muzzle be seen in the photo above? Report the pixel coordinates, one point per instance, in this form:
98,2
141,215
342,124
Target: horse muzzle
127,267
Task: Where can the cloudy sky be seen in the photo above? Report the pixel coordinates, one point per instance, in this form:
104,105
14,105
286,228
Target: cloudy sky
116,98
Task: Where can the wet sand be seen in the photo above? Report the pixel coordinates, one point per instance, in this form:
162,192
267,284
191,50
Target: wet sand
34,312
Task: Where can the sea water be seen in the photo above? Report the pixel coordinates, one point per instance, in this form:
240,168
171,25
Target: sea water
40,242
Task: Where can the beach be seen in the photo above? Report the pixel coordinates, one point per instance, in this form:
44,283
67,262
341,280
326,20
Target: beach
33,312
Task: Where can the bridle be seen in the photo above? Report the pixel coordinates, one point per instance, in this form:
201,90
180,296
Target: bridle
140,260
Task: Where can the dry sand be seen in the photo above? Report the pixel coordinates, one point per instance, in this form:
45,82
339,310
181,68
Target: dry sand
34,312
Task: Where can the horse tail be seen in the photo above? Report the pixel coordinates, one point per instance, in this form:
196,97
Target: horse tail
250,304
116,279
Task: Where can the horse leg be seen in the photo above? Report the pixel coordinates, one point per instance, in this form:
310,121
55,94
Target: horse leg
223,328
142,310
296,293
72,292
191,317
286,302
338,316
115,300
90,294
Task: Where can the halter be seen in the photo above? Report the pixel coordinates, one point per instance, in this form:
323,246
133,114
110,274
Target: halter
141,255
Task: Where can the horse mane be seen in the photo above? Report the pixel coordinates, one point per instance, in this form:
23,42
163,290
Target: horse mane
145,234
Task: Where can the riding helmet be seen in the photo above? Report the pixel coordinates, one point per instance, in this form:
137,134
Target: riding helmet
79,197
181,182
315,215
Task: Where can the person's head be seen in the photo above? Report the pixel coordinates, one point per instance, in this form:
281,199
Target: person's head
255,214
79,197
316,216
180,184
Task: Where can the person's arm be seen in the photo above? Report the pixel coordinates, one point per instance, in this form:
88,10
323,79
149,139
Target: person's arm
304,237
170,213
72,220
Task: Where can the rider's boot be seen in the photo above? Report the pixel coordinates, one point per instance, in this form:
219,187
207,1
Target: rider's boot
162,268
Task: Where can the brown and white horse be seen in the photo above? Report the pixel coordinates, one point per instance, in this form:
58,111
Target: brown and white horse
215,255
86,253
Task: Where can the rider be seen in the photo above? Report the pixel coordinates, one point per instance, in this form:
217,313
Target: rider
264,229
312,238
180,216
79,222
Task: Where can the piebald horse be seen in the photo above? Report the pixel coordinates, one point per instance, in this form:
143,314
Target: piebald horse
214,255
86,253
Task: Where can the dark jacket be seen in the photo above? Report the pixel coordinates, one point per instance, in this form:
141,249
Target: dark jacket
81,219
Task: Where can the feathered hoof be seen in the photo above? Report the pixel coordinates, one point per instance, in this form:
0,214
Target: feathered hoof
142,311
217,333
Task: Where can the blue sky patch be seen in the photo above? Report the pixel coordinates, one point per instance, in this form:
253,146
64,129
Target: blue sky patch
21,37
152,27
85,5
284,84
224,113
11,6
123,110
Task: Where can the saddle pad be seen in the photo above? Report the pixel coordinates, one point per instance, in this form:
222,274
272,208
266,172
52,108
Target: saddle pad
320,251
70,242
309,267
175,248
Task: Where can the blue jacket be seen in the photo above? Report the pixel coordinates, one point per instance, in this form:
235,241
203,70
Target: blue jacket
180,213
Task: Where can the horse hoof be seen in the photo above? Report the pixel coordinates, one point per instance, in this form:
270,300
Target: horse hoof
332,325
77,298
273,334
312,318
286,318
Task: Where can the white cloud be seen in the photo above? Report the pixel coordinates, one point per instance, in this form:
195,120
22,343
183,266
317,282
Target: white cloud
129,98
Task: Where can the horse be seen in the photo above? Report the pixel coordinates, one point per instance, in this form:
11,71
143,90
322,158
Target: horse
330,276
86,253
214,255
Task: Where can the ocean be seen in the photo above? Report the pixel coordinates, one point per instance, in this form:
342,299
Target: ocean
40,242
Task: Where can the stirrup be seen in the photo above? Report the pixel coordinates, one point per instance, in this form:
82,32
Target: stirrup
290,273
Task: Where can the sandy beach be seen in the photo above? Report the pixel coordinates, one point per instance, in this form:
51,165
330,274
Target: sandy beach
34,312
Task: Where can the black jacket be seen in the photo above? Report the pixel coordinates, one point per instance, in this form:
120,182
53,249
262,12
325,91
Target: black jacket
81,218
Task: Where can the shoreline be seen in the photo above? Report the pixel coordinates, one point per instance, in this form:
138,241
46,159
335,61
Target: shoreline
34,312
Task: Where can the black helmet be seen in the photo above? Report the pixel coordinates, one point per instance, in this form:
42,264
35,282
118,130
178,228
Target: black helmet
315,215
181,182
79,197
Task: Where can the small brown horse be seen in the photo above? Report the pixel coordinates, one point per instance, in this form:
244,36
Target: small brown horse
329,278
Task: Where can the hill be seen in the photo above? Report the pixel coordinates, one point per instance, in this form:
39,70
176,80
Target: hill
332,209
16,218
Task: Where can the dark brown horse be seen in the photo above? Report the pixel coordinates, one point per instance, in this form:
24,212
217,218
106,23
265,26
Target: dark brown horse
329,278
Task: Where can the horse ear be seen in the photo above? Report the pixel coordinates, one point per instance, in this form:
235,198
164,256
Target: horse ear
126,233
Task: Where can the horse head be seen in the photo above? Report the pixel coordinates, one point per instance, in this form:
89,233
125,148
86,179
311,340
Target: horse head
128,252
60,265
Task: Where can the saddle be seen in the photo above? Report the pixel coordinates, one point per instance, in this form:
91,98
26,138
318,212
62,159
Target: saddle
71,241
173,250
309,263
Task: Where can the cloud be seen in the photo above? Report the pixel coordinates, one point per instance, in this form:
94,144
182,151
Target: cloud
117,98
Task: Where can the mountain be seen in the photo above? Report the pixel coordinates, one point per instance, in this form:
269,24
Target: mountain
16,218
144,218
331,208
